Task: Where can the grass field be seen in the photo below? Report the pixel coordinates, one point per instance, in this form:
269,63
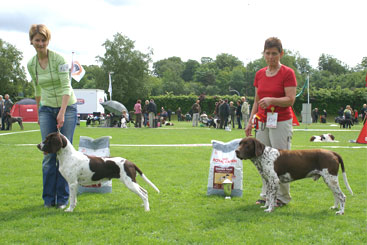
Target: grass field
182,213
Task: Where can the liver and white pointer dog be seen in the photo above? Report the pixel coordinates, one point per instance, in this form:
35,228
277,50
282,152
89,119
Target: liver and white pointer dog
282,166
78,168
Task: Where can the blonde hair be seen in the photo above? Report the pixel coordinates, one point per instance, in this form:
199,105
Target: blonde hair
39,29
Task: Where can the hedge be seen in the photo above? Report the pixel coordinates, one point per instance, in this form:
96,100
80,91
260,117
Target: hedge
330,100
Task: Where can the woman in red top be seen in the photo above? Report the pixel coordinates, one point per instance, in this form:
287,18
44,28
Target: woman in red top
275,93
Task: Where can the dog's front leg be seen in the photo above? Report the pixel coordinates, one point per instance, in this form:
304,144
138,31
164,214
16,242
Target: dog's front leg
272,190
73,189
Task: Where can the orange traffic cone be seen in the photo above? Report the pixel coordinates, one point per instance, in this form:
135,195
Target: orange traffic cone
295,121
362,138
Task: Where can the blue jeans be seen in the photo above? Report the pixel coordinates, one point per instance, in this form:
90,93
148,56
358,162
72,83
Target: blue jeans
55,188
239,122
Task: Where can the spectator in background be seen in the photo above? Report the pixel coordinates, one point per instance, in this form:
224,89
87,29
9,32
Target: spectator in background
196,109
8,104
232,112
348,117
145,112
216,109
355,119
323,116
169,113
245,110
137,112
348,112
315,115
224,114
179,114
163,115
239,114
152,110
1,110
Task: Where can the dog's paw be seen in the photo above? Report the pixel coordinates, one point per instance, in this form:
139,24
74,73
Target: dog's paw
69,210
340,212
269,210
333,207
265,206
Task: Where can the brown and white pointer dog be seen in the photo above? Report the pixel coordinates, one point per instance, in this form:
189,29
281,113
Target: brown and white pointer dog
78,168
282,166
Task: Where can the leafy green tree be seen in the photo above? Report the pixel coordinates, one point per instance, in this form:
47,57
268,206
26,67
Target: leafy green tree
173,64
206,60
190,68
172,82
237,79
205,74
362,66
154,86
227,61
130,67
13,80
331,64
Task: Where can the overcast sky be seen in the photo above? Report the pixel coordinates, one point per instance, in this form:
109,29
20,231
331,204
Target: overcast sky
192,29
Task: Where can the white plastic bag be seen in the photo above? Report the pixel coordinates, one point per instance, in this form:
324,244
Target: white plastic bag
224,164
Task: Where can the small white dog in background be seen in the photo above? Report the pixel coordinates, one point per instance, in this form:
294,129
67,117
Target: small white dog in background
323,138
123,123
124,119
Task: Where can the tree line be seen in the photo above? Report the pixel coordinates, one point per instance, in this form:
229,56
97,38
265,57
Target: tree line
137,76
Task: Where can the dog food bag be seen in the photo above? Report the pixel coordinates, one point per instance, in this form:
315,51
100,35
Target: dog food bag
100,148
224,164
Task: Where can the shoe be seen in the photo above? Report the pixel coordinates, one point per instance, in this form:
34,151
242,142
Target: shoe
49,205
279,203
62,206
260,202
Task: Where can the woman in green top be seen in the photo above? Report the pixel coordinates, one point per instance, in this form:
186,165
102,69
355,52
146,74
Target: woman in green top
56,109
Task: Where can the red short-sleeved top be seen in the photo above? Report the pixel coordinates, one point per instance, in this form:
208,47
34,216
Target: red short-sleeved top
274,87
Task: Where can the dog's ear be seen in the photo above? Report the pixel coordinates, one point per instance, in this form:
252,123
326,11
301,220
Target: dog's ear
63,140
259,148
55,143
312,138
331,136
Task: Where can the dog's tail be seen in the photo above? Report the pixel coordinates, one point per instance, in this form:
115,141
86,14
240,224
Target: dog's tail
146,179
343,172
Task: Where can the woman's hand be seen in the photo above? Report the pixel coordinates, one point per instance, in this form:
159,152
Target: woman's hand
248,129
265,102
60,119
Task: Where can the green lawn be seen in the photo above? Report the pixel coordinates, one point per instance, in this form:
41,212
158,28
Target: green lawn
182,213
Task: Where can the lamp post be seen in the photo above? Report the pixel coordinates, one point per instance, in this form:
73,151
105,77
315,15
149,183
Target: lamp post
110,83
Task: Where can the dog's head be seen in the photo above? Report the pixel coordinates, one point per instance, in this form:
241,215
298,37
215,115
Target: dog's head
327,137
53,143
249,148
313,138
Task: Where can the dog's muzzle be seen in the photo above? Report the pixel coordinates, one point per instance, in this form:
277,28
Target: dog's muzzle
40,147
238,154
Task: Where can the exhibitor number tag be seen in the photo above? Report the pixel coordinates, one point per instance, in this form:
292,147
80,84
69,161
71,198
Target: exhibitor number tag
271,121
